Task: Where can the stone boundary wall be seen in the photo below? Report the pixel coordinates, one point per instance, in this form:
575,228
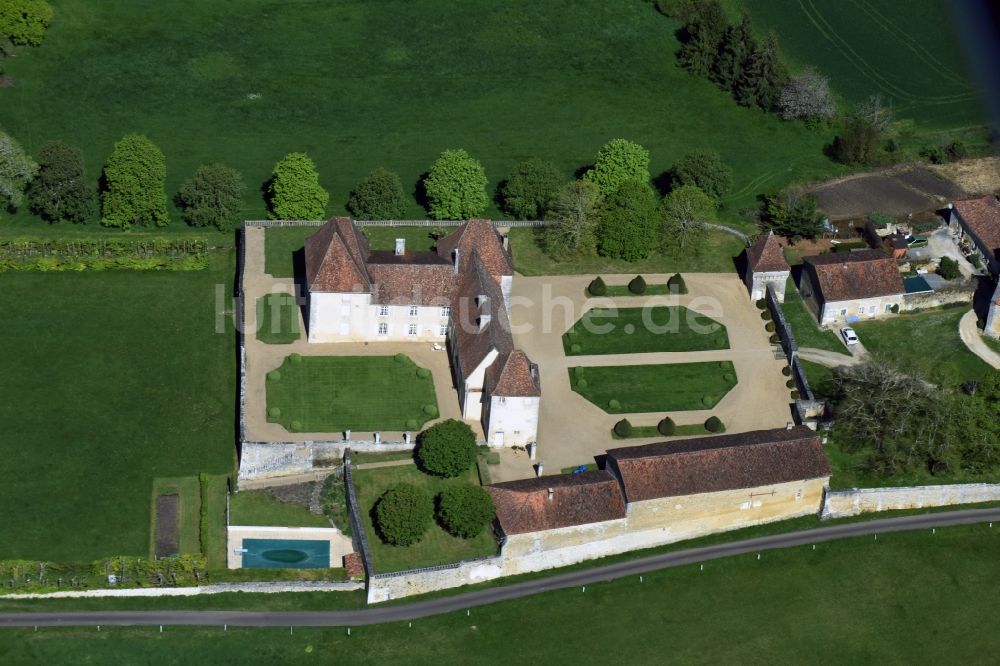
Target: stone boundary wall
218,588
788,343
410,223
267,459
963,293
841,503
357,526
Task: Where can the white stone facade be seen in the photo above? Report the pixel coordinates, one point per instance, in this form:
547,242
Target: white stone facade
757,284
511,421
354,318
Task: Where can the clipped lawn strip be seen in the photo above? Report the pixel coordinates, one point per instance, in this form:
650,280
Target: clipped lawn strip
338,393
668,387
277,319
256,507
685,330
436,546
651,290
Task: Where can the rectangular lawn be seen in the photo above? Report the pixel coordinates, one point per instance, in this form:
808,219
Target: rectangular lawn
277,319
437,546
654,388
337,393
256,507
637,330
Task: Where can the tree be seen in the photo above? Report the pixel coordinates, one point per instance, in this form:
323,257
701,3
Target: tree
629,223
575,213
134,189
447,448
686,210
734,53
16,171
701,37
666,426
464,510
24,21
862,133
791,215
597,287
637,285
619,161
403,513
213,197
456,186
378,197
676,284
807,96
61,190
714,424
704,169
763,76
530,189
294,192
948,268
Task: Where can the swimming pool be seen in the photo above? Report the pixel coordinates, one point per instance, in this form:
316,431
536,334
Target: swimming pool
286,553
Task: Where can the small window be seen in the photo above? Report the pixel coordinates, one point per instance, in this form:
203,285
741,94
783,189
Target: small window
383,329
411,329
414,310
502,400
442,331
383,311
445,310
843,313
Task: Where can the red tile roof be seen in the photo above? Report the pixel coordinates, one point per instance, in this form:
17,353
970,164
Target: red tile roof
474,337
981,216
765,255
412,284
335,258
512,376
847,276
724,462
481,236
577,499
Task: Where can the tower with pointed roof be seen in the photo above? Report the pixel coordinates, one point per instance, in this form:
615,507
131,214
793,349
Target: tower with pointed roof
766,264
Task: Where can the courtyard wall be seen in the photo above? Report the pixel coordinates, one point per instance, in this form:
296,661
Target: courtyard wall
841,503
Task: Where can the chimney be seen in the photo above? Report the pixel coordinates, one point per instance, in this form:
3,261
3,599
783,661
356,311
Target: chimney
456,260
506,242
400,246
551,493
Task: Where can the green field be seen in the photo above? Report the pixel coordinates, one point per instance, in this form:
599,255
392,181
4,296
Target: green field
359,85
110,380
277,319
337,393
665,387
256,507
437,546
908,598
804,327
639,330
927,340
907,52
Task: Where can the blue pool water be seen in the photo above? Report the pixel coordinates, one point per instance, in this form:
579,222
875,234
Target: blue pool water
286,554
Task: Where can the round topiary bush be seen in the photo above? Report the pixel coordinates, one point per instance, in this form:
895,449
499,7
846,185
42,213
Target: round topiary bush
399,358
707,400
766,315
411,424
623,428
725,365
464,510
786,371
423,373
274,375
729,377
597,287
713,424
274,413
575,348
666,426
795,394
579,371
430,410
637,285
447,448
614,404
790,383
403,513
295,358
296,426
676,285
581,383
773,339
760,303
769,327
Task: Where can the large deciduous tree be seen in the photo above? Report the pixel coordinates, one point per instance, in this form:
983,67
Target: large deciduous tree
294,192
61,190
574,214
704,169
465,510
16,171
807,96
861,135
530,189
447,448
686,210
403,513
379,196
24,21
629,223
213,197
619,161
134,189
456,186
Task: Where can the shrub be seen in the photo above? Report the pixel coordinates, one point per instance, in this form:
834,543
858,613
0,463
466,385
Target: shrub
447,448
713,424
61,190
676,284
530,189
579,371
948,268
295,358
597,287
575,348
766,315
274,412
933,154
795,394
769,327
790,384
456,187
134,178
955,150
423,373
431,410
623,428
725,365
619,161
403,513
786,371
274,375
706,170
666,426
614,404
729,377
581,383
379,196
761,303
707,400
411,424
294,192
637,285
773,339
296,426
213,197
399,358
464,510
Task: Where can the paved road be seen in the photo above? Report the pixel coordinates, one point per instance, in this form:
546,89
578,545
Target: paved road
411,611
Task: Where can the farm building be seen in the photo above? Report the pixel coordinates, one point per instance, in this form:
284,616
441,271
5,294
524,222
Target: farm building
846,287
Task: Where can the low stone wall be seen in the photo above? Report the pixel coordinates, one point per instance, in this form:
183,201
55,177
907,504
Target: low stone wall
271,459
963,293
219,588
840,503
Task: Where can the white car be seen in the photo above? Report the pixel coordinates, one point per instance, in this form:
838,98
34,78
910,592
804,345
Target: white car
850,337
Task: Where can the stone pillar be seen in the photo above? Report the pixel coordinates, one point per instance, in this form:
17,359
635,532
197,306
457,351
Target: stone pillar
347,435
406,437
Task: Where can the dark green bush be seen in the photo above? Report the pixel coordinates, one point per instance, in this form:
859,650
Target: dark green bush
447,448
78,254
399,358
786,371
295,358
795,395
403,513
666,426
713,424
774,338
707,400
729,377
581,383
623,428
423,373
411,424
597,287
790,383
769,327
948,268
575,348
761,303
766,315
296,426
676,284
464,510
637,285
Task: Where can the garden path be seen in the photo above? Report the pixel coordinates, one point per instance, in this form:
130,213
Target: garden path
969,331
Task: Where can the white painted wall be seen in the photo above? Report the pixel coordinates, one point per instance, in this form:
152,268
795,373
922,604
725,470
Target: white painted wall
758,284
329,313
512,421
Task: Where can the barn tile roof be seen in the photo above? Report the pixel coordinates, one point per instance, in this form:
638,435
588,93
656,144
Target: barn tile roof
723,462
765,255
481,236
577,499
854,275
474,338
412,284
513,375
982,217
335,258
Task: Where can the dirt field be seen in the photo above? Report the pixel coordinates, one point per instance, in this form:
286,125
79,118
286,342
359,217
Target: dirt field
893,192
168,535
980,176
